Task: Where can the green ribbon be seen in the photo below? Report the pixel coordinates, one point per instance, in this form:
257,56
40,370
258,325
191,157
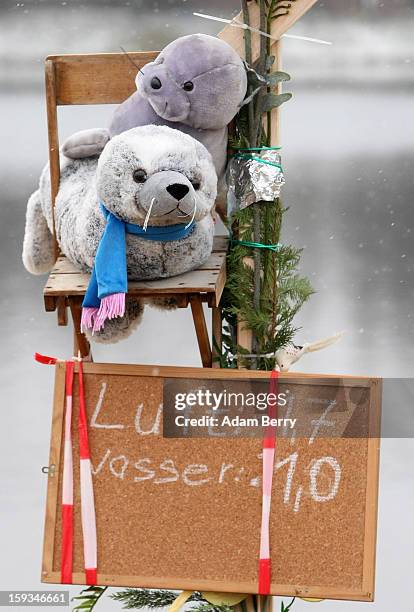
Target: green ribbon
258,159
257,148
256,245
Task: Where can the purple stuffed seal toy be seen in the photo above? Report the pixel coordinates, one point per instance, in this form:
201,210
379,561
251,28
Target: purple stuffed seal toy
196,85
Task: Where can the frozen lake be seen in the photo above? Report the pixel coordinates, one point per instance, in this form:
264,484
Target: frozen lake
347,158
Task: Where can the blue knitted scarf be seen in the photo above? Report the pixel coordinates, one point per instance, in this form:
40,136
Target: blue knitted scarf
105,295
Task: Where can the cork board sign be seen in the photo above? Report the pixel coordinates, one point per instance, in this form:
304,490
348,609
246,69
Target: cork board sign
185,512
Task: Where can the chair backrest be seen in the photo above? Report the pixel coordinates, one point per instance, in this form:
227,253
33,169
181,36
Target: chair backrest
102,78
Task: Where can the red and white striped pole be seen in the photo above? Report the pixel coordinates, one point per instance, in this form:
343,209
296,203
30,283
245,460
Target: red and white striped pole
269,444
86,486
67,483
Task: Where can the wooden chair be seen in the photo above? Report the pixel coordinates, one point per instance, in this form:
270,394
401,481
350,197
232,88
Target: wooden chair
109,78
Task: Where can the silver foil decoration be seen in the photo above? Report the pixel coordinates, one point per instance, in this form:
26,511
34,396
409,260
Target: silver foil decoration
252,180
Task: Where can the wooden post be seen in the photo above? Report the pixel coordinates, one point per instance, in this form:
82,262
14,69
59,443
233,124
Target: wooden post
52,130
254,603
235,37
262,603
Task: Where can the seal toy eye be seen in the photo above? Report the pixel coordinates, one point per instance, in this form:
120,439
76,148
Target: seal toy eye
139,176
188,86
155,83
196,185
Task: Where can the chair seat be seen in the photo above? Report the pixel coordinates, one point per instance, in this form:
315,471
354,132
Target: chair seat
208,281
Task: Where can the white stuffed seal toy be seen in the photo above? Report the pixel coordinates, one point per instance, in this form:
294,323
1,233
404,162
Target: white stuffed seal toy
141,211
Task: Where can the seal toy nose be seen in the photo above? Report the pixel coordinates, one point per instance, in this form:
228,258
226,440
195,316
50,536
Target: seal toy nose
177,190
155,83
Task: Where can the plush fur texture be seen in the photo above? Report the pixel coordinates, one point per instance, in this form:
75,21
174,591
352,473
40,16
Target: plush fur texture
168,158
164,97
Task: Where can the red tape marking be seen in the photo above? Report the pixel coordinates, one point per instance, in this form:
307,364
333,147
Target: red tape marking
264,577
91,576
67,544
45,359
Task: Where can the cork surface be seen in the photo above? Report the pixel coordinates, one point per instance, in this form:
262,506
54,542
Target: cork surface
187,512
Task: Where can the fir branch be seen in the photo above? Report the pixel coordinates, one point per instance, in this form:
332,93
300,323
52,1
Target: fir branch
263,290
249,59
262,70
247,33
134,599
284,608
254,119
209,607
283,289
279,8
88,598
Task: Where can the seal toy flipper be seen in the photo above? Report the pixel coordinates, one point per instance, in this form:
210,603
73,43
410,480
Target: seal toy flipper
86,143
38,247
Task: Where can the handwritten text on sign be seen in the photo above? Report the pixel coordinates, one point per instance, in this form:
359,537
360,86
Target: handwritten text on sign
319,480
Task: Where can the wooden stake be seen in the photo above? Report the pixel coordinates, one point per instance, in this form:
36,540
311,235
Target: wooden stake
52,130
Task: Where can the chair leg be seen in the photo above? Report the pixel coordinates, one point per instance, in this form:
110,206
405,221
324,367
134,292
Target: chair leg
80,342
201,330
216,321
62,313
